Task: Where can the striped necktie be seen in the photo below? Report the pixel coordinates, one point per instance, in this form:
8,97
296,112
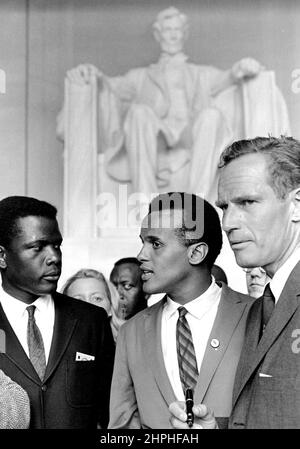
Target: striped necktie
35,344
187,362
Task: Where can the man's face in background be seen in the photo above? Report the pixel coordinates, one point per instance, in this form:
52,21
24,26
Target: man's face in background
256,279
127,279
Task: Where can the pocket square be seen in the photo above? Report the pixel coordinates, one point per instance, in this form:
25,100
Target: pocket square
264,375
81,357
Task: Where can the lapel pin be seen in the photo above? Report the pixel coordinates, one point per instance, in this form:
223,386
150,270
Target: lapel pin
215,343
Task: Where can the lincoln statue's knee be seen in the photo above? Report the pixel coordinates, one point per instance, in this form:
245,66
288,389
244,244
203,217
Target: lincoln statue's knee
141,113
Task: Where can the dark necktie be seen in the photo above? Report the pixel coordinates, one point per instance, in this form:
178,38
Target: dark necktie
35,344
187,362
268,305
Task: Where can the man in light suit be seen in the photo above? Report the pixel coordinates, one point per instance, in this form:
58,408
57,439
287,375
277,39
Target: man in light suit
259,193
63,356
14,405
176,258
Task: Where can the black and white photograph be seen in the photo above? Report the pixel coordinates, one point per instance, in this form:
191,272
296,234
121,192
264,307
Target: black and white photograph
149,217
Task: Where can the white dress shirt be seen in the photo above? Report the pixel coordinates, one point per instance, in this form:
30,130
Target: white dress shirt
281,276
17,316
200,317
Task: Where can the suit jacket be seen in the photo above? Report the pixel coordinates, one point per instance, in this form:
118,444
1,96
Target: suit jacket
267,386
14,405
141,391
74,394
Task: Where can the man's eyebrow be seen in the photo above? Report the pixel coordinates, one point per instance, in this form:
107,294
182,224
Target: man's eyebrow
149,238
44,241
243,197
125,279
37,241
237,199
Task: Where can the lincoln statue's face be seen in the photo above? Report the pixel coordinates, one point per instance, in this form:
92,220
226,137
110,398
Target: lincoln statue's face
172,35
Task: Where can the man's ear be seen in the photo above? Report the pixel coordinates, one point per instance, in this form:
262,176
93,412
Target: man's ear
296,202
2,258
197,253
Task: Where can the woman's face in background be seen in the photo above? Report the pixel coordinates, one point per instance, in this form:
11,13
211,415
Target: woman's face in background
91,290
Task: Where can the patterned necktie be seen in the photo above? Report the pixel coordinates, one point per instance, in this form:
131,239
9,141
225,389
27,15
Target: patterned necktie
187,362
35,344
268,305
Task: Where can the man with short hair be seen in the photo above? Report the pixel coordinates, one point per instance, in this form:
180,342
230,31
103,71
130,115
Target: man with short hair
259,194
126,277
58,349
181,237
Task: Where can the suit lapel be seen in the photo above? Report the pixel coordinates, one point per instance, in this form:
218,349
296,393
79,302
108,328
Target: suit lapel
14,350
154,353
229,313
64,326
283,312
248,353
253,351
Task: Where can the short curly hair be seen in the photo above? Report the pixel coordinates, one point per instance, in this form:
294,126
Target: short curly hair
200,221
14,207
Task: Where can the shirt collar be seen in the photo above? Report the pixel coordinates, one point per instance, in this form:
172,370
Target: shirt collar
42,303
12,305
198,306
281,276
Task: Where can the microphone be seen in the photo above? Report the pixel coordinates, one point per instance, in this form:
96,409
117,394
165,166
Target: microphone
189,402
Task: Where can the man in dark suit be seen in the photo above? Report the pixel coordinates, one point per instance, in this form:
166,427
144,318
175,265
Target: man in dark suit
58,349
181,238
259,193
